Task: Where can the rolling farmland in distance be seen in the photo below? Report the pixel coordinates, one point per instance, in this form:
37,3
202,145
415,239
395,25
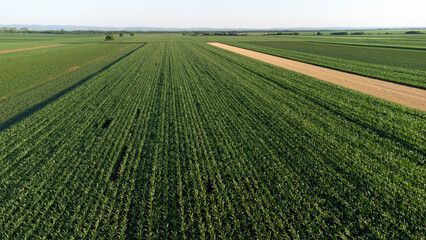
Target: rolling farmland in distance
162,136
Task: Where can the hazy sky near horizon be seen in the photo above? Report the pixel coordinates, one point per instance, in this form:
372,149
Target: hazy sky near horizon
216,13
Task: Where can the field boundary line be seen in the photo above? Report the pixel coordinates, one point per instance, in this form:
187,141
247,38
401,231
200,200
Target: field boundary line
408,96
31,48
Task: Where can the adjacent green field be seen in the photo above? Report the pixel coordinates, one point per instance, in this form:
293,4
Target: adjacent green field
21,71
375,55
181,140
390,41
44,91
15,43
23,40
395,64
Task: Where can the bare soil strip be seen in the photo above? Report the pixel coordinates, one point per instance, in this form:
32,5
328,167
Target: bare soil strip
404,95
31,48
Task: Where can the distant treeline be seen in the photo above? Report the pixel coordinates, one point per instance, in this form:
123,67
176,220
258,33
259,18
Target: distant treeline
214,33
281,33
191,33
339,33
78,32
413,32
363,33
62,31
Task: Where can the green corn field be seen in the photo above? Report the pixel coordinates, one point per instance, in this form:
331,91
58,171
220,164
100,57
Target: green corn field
171,138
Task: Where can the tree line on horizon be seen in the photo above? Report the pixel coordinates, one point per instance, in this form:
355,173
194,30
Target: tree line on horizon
187,33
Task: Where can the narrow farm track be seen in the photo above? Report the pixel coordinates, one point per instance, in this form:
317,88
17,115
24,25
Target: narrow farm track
31,48
404,95
177,140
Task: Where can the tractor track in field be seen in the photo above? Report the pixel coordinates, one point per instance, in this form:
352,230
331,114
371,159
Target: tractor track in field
404,95
31,48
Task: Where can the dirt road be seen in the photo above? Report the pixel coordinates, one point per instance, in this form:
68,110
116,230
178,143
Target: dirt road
404,95
30,48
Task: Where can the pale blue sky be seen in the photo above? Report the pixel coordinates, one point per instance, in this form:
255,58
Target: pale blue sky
216,13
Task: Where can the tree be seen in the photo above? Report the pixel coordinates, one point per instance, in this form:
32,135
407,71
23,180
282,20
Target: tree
413,32
121,34
319,33
109,38
132,34
339,33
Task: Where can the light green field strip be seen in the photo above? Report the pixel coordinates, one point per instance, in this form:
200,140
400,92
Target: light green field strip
22,71
31,48
404,95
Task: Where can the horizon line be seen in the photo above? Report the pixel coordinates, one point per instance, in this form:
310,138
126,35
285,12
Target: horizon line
216,28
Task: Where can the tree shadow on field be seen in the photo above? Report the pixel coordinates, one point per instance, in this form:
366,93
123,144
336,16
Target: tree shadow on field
19,117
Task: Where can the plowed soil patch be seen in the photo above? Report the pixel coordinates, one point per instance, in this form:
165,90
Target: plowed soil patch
30,48
404,95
